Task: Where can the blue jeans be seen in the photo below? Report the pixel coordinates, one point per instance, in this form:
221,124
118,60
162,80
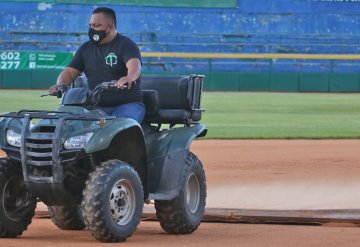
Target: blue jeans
133,110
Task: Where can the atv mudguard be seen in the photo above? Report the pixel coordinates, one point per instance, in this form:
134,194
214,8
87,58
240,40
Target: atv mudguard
167,152
122,139
102,138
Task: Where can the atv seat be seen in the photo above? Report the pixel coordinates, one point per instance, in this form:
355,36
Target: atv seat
171,99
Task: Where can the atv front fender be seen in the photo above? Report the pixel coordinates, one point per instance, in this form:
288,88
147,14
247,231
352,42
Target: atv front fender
102,138
166,160
122,139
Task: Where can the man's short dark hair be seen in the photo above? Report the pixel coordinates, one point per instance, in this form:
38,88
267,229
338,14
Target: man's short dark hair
109,14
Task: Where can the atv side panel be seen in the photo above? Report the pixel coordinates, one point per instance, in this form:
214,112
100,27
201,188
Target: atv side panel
166,155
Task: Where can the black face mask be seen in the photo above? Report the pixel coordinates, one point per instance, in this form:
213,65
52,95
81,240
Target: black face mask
96,36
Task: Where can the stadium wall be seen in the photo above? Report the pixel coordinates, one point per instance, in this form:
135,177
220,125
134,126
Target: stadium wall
215,81
207,26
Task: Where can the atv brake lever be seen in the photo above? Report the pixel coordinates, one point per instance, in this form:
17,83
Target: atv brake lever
112,85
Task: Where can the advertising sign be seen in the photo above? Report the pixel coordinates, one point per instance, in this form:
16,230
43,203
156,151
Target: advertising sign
16,60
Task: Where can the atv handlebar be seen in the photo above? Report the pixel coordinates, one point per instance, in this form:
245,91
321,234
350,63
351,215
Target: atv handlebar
93,96
110,85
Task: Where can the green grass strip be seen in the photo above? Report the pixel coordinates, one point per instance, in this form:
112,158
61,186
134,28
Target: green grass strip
238,115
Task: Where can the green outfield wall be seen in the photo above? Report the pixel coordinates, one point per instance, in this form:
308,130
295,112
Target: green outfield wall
215,81
35,70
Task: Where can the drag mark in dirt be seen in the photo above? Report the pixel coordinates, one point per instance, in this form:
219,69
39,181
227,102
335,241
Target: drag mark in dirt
286,195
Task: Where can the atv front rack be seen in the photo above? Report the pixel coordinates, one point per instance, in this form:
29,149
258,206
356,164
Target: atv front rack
42,143
53,115
42,150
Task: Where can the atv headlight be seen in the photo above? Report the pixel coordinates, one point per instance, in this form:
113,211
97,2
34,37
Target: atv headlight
13,138
78,141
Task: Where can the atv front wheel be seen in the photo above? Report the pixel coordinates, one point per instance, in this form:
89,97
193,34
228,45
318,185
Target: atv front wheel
17,205
113,201
67,217
183,214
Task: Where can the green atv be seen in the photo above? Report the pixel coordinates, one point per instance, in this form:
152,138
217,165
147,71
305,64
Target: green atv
96,171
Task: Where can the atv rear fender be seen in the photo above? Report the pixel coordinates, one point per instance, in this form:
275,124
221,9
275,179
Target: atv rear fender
167,152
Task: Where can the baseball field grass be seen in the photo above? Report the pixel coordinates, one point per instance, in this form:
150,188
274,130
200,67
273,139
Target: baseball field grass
238,115
282,115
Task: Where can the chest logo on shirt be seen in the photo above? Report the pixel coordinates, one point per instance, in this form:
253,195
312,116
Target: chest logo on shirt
111,59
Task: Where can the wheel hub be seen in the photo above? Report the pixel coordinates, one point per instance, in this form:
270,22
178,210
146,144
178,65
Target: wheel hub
193,193
122,202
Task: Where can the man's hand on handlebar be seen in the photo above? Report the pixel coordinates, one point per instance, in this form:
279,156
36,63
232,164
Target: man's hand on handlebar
56,90
124,82
53,89
57,87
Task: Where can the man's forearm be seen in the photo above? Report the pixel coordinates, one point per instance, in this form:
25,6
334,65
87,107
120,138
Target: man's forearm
67,76
134,75
134,69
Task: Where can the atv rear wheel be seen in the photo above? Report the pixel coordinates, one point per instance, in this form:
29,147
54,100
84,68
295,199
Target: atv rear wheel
67,217
183,214
113,201
17,205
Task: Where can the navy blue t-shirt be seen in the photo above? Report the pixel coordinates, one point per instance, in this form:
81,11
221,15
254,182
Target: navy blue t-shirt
106,63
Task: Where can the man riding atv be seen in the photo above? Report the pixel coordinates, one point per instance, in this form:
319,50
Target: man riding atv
108,56
96,171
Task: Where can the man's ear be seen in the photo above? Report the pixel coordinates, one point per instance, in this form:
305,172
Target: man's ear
111,27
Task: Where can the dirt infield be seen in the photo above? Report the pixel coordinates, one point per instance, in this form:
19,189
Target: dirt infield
281,174
252,174
42,233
